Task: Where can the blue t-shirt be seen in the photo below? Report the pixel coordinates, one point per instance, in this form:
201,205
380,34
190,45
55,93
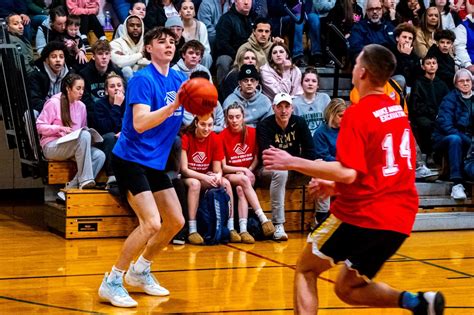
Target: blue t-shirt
152,147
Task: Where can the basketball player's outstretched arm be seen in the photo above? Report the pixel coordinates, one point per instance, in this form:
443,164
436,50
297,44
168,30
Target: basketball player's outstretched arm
276,159
144,119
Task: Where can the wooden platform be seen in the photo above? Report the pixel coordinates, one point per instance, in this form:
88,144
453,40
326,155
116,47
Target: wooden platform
89,214
95,213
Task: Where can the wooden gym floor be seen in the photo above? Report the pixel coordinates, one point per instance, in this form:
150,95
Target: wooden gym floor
43,273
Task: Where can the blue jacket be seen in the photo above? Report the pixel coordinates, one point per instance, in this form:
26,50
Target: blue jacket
325,139
454,117
366,32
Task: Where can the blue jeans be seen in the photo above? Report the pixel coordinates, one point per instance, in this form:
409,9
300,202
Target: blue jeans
314,35
456,148
121,8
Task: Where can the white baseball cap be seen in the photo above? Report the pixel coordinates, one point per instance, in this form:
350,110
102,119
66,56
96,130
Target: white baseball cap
282,97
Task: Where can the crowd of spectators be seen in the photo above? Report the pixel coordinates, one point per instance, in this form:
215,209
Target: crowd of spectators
254,52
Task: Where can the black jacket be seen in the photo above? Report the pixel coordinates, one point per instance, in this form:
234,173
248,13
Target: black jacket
425,98
446,67
232,30
296,139
155,15
38,83
408,66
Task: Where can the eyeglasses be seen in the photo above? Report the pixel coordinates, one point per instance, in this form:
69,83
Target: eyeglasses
374,9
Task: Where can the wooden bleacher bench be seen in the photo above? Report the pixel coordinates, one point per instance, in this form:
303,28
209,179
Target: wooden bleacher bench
96,213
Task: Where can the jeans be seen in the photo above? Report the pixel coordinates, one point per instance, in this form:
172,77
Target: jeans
121,8
314,35
223,65
278,181
89,159
107,146
456,148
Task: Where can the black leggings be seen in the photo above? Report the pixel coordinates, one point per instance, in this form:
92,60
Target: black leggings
91,23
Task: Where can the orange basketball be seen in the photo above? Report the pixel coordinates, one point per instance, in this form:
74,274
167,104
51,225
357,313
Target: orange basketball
198,96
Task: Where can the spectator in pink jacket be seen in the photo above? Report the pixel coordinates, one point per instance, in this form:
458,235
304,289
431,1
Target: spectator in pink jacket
87,10
62,114
279,75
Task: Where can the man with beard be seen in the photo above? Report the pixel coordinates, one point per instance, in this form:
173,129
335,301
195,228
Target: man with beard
16,30
94,75
371,30
127,51
50,70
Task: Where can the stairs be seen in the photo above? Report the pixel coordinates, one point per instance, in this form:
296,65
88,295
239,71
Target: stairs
438,211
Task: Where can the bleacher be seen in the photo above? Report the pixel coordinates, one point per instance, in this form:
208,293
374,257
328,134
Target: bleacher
96,213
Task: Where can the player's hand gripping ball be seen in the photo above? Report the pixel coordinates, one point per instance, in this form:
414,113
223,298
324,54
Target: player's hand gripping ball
198,96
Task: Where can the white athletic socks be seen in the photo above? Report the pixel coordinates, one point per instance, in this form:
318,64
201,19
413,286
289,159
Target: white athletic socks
243,225
192,226
230,224
141,264
114,274
261,216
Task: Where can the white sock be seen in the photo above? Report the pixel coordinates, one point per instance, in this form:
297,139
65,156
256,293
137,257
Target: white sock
103,38
243,225
261,216
115,273
192,226
141,264
230,224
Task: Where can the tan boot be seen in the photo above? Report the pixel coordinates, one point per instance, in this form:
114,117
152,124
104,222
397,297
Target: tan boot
195,238
247,238
235,237
268,228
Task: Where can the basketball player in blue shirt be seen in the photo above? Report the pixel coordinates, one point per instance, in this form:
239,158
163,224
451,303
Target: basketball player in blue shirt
152,119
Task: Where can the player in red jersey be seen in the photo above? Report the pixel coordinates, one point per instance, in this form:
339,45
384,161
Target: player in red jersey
376,204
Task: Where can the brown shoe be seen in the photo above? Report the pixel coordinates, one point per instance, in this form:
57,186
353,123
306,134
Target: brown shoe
235,237
268,228
247,238
195,238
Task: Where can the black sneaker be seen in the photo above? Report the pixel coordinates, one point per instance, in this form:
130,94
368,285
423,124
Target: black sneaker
299,62
431,303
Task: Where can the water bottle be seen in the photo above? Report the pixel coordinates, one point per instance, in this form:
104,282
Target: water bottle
108,22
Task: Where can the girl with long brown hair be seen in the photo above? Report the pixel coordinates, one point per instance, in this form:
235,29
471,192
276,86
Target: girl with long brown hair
239,145
62,114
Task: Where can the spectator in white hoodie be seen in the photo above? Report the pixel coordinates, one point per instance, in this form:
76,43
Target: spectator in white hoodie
127,51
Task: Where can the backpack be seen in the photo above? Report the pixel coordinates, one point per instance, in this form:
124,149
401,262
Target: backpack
212,216
254,227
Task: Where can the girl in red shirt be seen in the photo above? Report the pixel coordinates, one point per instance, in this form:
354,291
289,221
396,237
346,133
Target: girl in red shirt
201,157
239,161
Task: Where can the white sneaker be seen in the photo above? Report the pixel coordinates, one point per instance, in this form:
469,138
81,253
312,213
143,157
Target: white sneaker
457,192
90,183
431,303
423,172
280,234
61,195
115,293
146,281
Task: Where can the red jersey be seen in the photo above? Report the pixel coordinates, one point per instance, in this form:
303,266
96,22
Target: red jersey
375,139
237,153
201,154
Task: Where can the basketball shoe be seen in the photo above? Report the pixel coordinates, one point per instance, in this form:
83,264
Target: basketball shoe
431,303
115,293
280,234
145,281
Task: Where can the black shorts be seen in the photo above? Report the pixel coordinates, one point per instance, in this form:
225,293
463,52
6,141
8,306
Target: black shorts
137,178
364,250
